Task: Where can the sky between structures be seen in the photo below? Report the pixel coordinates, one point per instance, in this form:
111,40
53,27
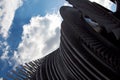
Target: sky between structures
30,29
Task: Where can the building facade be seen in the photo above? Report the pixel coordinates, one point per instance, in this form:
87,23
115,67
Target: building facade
89,50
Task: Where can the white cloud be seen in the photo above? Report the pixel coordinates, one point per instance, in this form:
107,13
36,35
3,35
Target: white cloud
7,11
40,37
1,78
67,4
5,50
106,3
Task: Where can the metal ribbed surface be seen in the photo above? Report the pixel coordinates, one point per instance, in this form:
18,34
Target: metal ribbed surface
104,17
83,54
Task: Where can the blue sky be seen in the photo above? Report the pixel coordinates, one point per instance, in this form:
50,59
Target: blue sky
29,29
21,13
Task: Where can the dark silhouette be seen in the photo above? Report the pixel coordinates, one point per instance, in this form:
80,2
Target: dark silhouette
87,51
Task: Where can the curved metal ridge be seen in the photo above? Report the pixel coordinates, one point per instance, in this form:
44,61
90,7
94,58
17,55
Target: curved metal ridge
84,61
26,72
90,55
103,17
83,54
111,56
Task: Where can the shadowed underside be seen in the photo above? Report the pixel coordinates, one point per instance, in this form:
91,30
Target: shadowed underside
84,53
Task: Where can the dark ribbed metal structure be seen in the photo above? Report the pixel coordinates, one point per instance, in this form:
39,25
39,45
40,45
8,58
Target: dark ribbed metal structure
86,52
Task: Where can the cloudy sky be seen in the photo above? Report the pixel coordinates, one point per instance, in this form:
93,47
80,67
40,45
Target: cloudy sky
29,29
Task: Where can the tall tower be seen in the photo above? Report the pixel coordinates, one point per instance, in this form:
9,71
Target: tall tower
89,50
